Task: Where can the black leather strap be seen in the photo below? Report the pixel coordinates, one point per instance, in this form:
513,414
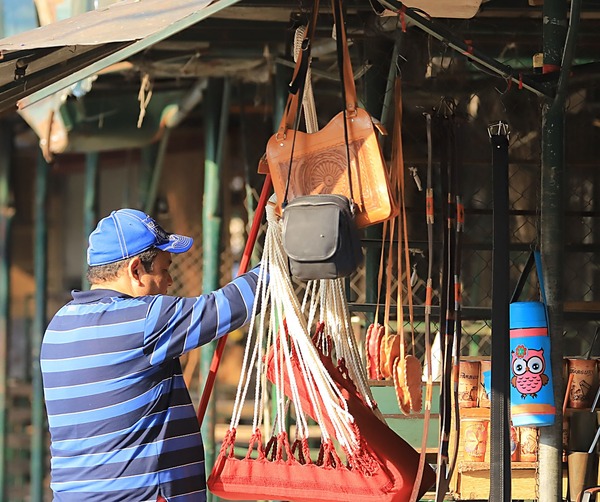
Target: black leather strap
342,46
523,278
500,475
444,121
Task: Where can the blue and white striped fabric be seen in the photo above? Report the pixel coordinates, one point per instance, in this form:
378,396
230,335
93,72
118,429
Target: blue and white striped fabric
122,423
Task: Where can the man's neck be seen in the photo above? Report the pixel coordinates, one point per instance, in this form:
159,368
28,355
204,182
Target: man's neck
121,284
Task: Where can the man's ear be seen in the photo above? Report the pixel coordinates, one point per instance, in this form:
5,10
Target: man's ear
135,269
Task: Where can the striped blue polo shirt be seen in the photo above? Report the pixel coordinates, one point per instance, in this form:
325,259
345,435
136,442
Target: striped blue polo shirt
121,420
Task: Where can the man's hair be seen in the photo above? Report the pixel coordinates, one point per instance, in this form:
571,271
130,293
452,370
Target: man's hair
102,273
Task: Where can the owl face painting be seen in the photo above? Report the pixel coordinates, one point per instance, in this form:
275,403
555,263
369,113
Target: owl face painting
528,366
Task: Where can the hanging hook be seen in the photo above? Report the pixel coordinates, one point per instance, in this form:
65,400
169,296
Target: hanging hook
509,80
399,64
415,174
414,276
447,107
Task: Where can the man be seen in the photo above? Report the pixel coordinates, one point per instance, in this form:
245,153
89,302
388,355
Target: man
121,421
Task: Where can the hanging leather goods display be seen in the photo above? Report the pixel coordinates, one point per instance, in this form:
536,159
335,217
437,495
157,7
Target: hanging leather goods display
312,290
359,457
449,412
407,370
429,218
376,331
531,391
303,163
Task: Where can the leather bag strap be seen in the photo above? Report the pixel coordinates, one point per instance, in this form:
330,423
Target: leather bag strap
343,65
449,383
296,86
347,75
523,278
534,258
294,104
294,100
429,218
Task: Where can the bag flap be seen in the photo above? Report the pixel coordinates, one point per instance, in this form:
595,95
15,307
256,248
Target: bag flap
311,230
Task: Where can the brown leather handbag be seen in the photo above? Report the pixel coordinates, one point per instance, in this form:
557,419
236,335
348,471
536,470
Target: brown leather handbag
323,162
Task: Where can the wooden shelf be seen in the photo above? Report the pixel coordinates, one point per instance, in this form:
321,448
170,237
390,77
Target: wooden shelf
465,466
591,307
475,484
471,480
390,383
570,411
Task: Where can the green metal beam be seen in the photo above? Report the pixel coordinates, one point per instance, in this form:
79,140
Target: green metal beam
90,206
38,422
126,52
6,215
216,114
552,239
150,199
148,156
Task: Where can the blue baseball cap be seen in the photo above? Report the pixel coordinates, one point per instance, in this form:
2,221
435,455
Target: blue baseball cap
128,232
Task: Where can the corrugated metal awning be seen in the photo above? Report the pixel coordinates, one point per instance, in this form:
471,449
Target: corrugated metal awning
40,62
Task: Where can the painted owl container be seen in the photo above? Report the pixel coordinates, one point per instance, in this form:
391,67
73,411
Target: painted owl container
528,366
531,393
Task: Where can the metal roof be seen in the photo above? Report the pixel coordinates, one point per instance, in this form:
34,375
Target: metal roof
247,40
40,62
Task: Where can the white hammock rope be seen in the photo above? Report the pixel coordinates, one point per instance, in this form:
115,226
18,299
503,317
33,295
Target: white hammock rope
244,382
279,302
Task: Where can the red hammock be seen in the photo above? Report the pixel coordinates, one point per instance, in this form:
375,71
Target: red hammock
284,472
379,465
399,458
396,456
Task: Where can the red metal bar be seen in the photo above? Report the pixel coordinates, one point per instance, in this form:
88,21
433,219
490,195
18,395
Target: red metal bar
245,261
